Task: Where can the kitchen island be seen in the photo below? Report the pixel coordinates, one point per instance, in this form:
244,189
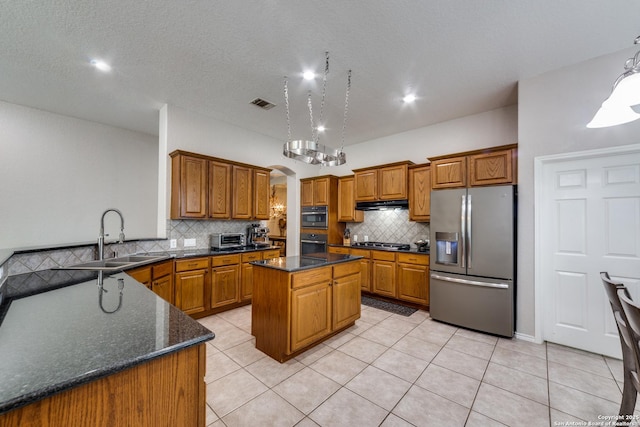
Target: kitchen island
78,348
301,301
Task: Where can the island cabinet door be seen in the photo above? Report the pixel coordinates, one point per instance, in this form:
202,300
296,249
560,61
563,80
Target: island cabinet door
346,299
310,314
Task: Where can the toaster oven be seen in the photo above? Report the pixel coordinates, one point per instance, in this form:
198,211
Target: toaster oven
222,241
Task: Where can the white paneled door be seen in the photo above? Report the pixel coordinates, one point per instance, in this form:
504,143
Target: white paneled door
588,221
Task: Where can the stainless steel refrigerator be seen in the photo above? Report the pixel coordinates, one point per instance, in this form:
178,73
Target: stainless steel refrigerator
472,259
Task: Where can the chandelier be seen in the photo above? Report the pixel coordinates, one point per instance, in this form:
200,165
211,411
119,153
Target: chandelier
311,151
616,109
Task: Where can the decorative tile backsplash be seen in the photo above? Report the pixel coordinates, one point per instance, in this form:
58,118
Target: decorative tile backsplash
391,226
384,226
176,229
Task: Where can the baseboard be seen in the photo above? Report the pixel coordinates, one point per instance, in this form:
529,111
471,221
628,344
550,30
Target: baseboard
525,337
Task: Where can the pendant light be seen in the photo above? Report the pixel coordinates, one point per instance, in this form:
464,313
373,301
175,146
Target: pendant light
616,109
311,151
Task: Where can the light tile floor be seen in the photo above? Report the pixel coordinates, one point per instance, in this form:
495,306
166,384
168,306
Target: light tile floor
391,370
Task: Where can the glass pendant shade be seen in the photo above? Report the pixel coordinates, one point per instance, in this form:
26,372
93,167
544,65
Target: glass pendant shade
611,114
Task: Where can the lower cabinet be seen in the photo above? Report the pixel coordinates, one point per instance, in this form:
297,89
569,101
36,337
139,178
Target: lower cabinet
310,313
398,275
225,280
246,274
191,283
413,278
383,268
162,280
346,294
157,277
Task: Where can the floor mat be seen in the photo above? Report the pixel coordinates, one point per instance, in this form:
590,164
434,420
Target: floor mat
388,306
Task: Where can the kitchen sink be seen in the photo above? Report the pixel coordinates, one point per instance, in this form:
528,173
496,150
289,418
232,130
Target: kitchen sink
115,264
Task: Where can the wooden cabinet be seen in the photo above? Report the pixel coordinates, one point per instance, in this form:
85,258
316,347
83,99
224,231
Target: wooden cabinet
191,283
365,267
271,253
413,277
311,304
491,166
385,182
261,192
293,311
162,280
246,275
383,270
219,190
449,172
346,294
315,191
189,187
225,280
166,391
420,193
366,185
242,193
142,275
347,201
393,182
204,187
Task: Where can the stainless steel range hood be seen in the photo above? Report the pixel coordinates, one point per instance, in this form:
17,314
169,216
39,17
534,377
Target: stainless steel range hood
381,205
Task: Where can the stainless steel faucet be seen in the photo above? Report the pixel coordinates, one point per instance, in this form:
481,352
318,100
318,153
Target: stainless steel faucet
101,236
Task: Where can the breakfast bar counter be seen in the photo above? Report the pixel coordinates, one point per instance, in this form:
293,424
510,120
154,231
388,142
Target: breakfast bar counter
80,348
301,301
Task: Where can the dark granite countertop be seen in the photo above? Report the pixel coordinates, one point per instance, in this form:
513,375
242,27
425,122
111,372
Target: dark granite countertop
377,248
292,264
58,329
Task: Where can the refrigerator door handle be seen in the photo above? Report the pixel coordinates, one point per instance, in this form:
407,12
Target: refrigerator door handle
469,234
470,282
463,231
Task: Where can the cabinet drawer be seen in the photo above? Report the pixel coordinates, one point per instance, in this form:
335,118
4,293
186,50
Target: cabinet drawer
161,270
252,256
338,250
383,255
217,261
192,264
306,278
271,253
345,269
361,252
422,259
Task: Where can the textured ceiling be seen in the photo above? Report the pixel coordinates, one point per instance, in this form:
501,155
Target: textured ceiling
213,57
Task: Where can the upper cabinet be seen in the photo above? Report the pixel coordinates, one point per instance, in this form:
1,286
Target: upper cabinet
261,193
314,191
385,182
346,201
420,193
204,187
188,187
497,165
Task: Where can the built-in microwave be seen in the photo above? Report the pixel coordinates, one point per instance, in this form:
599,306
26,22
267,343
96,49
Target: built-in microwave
315,217
221,241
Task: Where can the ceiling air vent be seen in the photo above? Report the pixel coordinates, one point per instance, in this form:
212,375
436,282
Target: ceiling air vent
265,105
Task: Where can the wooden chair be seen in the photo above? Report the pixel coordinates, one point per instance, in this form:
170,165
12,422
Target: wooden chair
629,331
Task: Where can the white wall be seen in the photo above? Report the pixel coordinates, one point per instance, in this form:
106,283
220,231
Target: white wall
553,111
58,174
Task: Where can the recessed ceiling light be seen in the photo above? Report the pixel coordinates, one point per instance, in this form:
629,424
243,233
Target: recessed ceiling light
101,65
309,75
409,98
320,128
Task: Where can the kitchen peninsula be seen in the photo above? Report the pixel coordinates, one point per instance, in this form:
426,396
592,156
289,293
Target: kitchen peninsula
77,348
303,300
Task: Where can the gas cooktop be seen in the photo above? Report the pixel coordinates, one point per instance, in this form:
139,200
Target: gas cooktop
384,245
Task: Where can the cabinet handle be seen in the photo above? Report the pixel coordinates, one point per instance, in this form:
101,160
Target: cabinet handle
192,265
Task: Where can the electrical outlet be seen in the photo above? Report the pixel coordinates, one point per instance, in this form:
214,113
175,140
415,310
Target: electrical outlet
189,243
366,238
173,243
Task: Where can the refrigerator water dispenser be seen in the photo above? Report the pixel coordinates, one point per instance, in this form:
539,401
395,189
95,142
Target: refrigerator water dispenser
447,248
